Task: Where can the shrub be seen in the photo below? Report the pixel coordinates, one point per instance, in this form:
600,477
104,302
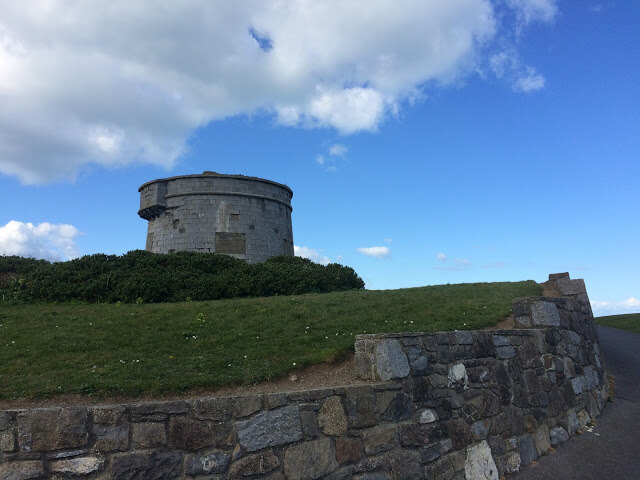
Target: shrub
144,277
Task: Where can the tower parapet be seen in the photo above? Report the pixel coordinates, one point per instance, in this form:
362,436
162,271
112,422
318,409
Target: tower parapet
245,217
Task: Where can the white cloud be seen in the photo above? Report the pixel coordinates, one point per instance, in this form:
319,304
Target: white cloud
338,150
441,257
507,65
530,82
630,305
388,240
376,252
529,11
112,82
311,254
51,242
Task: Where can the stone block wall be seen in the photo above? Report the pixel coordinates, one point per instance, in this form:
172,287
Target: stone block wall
446,405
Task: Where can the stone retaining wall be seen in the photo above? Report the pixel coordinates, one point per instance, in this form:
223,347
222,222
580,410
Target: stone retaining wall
467,404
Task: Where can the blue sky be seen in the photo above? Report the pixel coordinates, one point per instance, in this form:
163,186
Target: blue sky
425,142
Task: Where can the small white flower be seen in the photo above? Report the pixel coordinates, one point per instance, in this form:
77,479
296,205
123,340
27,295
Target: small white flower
229,365
294,364
121,361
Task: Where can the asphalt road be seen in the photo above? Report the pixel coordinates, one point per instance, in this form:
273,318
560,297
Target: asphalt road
612,449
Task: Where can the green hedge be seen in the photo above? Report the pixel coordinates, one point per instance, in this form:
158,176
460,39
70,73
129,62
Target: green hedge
150,277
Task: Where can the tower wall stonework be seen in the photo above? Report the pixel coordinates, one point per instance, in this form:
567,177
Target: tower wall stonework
245,217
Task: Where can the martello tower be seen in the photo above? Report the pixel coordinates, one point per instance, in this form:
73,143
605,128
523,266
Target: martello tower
245,217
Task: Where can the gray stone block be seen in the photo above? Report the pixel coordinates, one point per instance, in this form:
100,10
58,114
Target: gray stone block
310,460
154,465
545,314
391,362
22,470
505,352
463,338
428,416
479,463
480,429
208,462
379,439
52,429
331,417
256,464
77,466
578,384
558,435
541,439
270,428
457,377
528,451
148,435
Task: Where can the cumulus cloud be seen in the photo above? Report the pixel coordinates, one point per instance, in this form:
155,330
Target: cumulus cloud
51,242
112,82
311,254
376,252
630,305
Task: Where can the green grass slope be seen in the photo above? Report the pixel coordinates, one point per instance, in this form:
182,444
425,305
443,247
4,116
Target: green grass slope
172,347
630,322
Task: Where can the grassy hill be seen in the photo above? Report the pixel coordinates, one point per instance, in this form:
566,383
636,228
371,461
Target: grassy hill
630,321
172,347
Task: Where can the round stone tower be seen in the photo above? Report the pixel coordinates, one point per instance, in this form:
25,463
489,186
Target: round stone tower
245,217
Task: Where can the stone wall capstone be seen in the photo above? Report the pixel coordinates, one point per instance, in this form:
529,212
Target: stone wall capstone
444,405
